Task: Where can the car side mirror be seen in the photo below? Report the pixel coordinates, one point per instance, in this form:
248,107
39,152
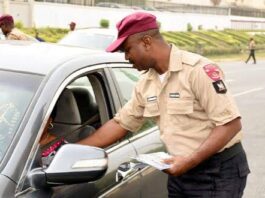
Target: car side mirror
72,164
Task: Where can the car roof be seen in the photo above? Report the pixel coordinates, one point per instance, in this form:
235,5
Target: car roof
110,4
41,58
106,31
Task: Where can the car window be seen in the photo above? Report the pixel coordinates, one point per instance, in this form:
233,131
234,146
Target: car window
82,82
16,93
83,98
88,40
127,79
80,109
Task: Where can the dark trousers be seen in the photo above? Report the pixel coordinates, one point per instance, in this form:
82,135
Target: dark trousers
218,177
251,54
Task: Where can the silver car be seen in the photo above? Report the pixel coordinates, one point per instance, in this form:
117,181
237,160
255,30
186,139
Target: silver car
87,88
92,38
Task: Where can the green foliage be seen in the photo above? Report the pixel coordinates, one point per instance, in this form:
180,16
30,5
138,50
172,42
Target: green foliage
19,24
104,23
200,27
48,34
214,42
189,27
211,42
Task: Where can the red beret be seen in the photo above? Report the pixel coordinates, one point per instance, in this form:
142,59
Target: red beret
132,24
6,19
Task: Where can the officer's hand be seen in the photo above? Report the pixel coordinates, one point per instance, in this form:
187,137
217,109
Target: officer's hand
179,165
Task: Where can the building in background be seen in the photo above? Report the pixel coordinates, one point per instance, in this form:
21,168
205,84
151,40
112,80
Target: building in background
236,14
260,4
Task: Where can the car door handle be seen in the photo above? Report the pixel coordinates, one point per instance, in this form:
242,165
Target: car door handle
128,168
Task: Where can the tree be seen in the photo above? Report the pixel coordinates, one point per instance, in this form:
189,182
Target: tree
104,23
216,2
189,27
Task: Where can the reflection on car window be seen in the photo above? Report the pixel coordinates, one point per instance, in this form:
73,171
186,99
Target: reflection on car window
16,92
82,82
127,78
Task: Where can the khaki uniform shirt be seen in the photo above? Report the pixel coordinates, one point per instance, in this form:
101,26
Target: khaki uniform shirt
252,45
189,103
16,34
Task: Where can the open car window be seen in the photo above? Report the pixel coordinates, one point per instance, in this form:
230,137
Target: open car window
127,79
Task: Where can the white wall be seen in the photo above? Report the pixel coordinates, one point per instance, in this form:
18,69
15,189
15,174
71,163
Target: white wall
60,15
260,4
54,15
247,23
21,11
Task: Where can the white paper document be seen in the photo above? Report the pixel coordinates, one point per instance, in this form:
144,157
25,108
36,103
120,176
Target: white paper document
154,159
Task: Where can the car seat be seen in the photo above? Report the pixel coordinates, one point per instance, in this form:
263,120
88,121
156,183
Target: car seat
88,108
68,118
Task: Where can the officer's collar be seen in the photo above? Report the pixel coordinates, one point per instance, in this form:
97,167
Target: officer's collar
175,62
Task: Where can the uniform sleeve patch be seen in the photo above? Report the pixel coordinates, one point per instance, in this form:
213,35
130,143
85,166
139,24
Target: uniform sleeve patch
212,71
219,87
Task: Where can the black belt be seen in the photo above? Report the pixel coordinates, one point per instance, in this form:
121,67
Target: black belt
228,152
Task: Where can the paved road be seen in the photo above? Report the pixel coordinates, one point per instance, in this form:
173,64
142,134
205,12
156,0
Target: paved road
247,84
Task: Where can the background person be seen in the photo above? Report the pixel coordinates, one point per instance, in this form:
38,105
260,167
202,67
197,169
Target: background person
38,37
48,147
198,119
9,30
72,26
251,47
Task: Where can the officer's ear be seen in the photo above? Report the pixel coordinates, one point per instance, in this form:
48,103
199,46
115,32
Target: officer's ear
147,40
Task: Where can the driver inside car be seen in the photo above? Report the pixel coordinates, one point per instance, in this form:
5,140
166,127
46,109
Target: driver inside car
49,143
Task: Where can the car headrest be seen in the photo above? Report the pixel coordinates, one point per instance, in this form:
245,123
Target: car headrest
85,102
67,111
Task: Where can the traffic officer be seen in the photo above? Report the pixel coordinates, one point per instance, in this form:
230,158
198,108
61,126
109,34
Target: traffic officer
198,119
9,30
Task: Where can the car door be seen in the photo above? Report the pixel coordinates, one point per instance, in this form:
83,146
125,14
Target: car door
146,140
104,93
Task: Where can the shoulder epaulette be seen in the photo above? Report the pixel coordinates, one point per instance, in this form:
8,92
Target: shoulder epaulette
190,58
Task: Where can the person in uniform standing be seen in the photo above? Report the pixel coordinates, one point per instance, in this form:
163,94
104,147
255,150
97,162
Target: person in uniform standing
9,30
251,47
198,119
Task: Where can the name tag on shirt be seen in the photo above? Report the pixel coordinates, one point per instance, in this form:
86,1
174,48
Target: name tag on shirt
151,98
174,95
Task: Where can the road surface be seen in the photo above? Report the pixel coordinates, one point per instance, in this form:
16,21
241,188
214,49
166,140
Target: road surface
247,84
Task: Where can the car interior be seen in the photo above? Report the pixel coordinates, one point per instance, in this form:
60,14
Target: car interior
72,113
77,109
80,109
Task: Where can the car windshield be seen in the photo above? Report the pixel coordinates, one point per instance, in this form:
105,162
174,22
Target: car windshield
16,93
88,40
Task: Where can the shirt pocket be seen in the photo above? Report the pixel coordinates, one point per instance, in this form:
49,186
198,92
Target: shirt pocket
151,109
180,106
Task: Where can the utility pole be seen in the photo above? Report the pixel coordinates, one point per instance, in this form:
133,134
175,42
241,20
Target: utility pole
31,13
6,6
92,2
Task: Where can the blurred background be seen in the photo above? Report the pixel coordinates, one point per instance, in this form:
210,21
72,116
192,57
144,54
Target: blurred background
236,14
207,27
